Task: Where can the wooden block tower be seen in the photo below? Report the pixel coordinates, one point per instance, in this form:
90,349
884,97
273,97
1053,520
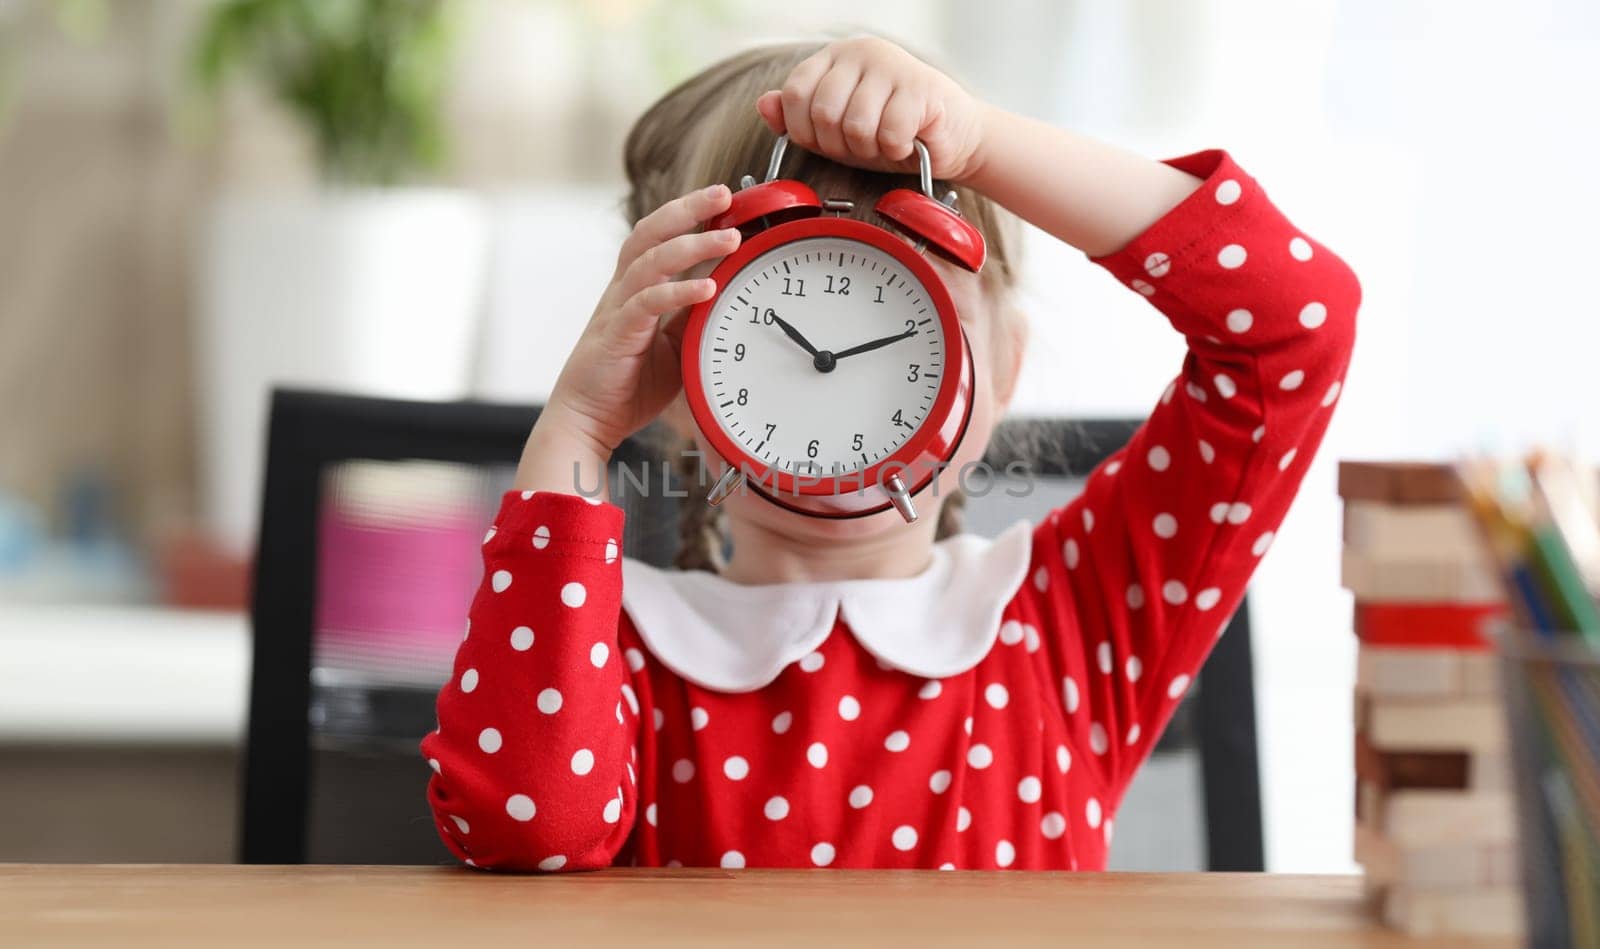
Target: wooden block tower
1435,820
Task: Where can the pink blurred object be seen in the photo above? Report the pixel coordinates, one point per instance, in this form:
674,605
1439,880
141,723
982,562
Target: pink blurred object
397,563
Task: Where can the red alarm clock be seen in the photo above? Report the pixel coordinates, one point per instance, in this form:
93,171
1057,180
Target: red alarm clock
830,371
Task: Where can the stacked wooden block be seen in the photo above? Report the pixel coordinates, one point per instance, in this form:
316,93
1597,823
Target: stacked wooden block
1435,819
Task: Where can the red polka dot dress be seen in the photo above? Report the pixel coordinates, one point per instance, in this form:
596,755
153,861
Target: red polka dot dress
987,713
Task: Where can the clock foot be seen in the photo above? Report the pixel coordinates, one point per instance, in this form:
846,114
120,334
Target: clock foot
730,480
900,498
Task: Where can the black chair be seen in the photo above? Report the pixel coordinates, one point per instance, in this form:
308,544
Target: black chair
331,769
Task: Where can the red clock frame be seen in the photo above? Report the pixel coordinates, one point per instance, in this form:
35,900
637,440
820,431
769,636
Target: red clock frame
917,461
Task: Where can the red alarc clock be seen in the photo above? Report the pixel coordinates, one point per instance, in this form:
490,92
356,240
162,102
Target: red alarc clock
830,371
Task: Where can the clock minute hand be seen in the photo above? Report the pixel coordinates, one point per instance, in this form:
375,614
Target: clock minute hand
794,334
875,344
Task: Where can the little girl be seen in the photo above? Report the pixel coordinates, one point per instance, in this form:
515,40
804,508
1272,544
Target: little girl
860,693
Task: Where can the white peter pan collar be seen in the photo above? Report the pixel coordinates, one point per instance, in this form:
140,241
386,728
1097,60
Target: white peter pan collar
731,637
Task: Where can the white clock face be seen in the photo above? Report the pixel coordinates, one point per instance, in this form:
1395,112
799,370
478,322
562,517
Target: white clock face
878,360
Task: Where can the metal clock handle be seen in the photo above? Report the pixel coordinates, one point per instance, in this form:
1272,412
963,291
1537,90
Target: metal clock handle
780,147
774,163
925,174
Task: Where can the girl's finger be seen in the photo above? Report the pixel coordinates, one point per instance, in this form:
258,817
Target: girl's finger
864,114
902,119
672,257
770,107
796,99
635,323
678,216
672,329
827,108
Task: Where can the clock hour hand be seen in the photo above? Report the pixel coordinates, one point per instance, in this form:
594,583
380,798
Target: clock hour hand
793,334
875,344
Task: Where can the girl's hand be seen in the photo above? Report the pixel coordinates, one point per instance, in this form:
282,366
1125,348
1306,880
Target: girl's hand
624,369
862,101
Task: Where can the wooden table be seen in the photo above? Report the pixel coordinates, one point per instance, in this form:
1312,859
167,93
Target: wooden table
144,905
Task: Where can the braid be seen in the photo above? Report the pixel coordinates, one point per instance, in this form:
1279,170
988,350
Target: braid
950,515
699,527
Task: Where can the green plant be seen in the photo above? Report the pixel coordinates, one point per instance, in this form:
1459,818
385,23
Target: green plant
366,77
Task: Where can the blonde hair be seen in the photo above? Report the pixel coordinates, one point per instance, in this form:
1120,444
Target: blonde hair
706,130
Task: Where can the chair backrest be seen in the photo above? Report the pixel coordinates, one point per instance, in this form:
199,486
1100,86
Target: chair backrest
371,516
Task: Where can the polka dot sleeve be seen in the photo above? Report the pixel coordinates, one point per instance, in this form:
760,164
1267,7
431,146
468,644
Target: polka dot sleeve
1137,577
534,752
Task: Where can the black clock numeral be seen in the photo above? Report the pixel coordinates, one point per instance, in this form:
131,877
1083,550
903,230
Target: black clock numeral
855,443
770,429
744,397
911,327
798,289
913,372
880,294
757,317
843,289
811,448
738,353
898,420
